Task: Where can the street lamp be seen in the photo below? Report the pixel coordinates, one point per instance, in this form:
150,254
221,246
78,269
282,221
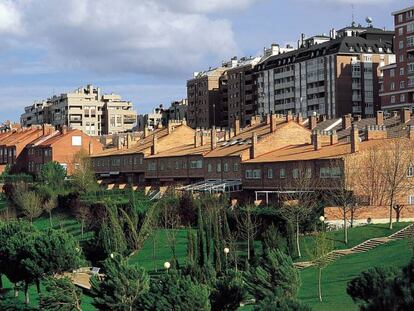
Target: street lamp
167,266
226,252
322,220
112,255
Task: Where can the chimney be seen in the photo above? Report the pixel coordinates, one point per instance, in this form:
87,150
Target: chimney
322,117
129,141
346,121
146,131
226,135
317,141
154,145
90,147
411,132
43,129
379,118
231,133
334,137
375,132
253,120
213,138
273,123
358,117
63,129
119,143
289,117
236,126
354,139
405,115
268,117
197,139
312,122
253,146
169,127
203,138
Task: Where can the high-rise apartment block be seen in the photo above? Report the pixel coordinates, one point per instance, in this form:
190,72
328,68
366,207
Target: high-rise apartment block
85,109
328,75
398,78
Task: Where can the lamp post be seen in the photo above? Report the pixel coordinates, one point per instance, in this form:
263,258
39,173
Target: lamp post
112,255
322,220
226,252
167,266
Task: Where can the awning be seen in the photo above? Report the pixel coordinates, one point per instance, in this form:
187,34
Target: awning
214,186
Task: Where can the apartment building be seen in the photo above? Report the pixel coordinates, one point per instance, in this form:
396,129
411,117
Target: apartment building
177,110
153,120
397,89
61,146
328,75
126,164
85,109
203,96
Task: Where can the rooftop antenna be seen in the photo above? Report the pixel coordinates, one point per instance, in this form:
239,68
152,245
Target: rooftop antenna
353,15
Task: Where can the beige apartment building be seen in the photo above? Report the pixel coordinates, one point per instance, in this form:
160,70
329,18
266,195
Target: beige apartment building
85,109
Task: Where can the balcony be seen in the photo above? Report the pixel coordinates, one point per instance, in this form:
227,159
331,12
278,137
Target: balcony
356,98
356,86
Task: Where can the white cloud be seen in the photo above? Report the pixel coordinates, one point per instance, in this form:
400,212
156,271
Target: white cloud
9,18
350,2
165,37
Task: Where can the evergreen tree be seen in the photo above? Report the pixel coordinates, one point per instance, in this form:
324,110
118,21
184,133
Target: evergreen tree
174,292
279,302
122,286
228,292
274,272
60,295
202,256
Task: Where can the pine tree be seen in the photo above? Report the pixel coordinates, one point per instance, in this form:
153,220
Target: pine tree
202,257
60,295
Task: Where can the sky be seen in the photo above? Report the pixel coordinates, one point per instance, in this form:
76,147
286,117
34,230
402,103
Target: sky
145,50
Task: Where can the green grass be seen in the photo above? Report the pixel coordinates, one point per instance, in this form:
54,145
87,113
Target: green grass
144,257
356,236
336,276
65,222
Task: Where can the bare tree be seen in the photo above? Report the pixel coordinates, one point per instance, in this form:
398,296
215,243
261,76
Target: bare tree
49,206
397,209
248,226
299,199
171,221
319,255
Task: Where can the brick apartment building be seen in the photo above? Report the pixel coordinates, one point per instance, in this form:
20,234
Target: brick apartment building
398,78
60,146
328,75
86,109
127,163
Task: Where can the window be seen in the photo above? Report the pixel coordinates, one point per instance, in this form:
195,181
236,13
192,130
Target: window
76,140
401,58
152,166
308,173
209,167
392,86
401,71
410,41
196,164
411,199
236,167
410,171
253,174
411,67
392,100
269,173
410,28
226,167
248,174
400,31
402,98
392,72
400,18
177,165
330,172
282,173
295,173
218,168
401,45
256,174
161,166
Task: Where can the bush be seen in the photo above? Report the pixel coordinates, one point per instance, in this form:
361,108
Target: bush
281,303
228,292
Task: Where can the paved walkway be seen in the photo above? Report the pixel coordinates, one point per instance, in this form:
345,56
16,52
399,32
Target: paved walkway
364,246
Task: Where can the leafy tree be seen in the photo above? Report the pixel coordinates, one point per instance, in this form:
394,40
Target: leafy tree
319,256
174,292
279,302
122,286
29,203
369,284
228,292
53,175
274,272
83,178
60,295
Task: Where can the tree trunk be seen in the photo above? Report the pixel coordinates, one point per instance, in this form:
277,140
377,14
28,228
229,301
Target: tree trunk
319,284
248,247
26,293
345,230
153,251
16,291
82,224
38,286
50,219
391,208
297,239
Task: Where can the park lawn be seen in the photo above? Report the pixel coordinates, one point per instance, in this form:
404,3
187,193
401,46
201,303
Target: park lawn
144,257
336,276
9,299
65,222
356,236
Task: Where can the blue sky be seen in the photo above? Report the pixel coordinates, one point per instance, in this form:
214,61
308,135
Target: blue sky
146,50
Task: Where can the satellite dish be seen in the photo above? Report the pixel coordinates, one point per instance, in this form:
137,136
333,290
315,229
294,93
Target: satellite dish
368,20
